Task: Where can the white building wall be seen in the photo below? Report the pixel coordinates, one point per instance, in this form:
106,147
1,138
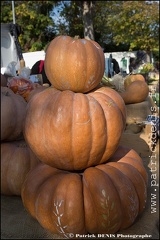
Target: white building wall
119,56
31,58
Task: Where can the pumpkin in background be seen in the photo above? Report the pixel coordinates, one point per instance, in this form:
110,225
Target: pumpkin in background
13,110
74,64
3,80
136,92
131,78
102,199
73,131
17,159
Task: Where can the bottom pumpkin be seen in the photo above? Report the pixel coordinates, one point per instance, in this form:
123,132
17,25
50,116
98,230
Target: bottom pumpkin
102,199
17,159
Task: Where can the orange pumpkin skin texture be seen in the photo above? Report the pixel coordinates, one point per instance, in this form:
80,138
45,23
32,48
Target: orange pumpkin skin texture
102,199
13,110
17,159
74,64
35,91
131,78
72,131
136,92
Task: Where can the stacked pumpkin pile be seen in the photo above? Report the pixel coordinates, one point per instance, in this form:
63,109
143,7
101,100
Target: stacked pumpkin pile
17,159
85,182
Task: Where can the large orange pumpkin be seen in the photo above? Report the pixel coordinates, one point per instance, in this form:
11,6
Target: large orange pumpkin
131,78
13,110
73,131
136,92
102,199
74,64
17,159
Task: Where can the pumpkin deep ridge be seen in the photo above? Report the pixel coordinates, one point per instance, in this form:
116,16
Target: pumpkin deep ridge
105,147
111,101
119,186
98,95
104,129
54,179
116,101
115,186
128,176
135,160
91,120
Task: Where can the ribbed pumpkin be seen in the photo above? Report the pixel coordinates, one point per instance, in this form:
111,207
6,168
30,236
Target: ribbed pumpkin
131,78
73,131
74,64
136,92
102,199
13,110
17,159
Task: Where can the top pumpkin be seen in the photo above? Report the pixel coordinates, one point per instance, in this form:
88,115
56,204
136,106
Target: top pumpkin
74,64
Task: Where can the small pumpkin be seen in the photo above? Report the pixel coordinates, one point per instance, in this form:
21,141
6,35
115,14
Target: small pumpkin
131,78
73,131
136,92
102,199
13,110
17,159
74,64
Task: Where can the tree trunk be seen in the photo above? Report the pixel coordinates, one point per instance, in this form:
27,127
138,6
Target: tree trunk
87,20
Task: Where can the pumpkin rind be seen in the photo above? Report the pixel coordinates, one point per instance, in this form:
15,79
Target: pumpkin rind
136,92
81,130
74,64
101,199
131,78
13,110
17,159
34,92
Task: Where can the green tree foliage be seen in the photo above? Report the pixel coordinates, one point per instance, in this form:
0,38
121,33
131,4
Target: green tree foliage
118,25
35,21
70,18
136,23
